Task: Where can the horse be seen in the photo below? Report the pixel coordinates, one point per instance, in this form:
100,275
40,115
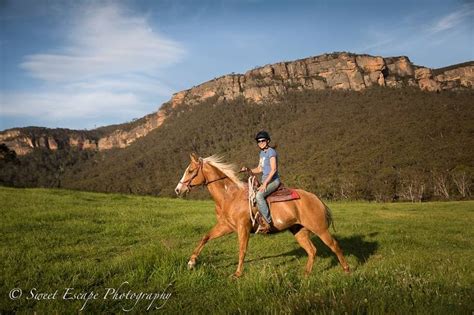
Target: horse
302,216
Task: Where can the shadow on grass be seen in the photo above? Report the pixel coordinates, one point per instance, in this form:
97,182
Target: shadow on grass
355,245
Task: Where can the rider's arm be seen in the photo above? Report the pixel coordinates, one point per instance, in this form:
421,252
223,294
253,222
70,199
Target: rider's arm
256,170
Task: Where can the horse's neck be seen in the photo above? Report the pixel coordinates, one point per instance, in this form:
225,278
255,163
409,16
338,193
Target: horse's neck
218,189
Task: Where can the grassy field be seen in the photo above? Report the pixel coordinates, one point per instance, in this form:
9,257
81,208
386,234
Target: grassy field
406,258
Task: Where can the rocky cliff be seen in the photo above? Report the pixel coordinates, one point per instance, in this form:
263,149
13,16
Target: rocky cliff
343,71
24,140
330,71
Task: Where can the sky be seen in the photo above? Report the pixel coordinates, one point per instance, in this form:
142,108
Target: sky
85,64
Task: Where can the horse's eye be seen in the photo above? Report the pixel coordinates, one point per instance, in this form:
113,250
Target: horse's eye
190,171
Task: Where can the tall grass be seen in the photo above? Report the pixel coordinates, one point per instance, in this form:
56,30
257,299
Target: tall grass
406,258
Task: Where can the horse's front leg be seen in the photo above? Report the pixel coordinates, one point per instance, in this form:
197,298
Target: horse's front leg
243,231
217,231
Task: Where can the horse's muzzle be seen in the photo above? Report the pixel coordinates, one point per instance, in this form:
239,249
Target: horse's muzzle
180,190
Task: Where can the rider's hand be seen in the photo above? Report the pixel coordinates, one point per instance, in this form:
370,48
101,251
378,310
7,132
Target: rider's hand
263,187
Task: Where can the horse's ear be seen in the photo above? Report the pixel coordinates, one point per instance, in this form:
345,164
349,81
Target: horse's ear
194,157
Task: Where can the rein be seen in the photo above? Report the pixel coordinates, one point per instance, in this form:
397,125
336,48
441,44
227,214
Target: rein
252,198
188,184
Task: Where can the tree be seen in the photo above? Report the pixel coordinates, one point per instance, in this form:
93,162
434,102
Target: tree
462,179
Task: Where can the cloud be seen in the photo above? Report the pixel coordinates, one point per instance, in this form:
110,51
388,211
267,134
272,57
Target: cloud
415,33
452,20
140,84
105,41
106,69
60,105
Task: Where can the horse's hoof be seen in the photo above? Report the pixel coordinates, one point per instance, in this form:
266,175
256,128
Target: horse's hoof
236,275
191,264
347,270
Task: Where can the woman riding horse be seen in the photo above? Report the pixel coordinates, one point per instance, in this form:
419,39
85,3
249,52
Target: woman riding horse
301,216
268,166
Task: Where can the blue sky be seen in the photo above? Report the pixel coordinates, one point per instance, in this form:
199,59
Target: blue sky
85,64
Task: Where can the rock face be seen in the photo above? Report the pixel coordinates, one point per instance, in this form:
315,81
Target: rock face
343,71
16,141
24,142
424,76
461,76
330,71
121,139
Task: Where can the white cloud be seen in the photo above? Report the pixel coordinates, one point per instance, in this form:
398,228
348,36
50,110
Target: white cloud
143,85
105,41
453,19
106,69
417,34
60,105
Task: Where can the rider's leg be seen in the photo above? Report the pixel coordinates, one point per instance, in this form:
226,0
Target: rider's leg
262,203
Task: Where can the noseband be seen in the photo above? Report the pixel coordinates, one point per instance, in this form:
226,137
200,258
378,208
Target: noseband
187,183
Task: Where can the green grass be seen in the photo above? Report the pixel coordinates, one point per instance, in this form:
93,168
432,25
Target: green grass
406,258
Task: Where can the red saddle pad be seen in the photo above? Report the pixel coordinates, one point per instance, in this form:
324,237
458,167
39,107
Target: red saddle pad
281,194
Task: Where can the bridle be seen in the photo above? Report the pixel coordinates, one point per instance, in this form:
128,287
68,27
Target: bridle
187,183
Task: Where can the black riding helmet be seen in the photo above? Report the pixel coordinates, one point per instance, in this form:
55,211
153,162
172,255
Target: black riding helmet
262,135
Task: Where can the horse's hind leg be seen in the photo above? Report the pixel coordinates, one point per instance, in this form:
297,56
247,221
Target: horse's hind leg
332,244
302,235
217,231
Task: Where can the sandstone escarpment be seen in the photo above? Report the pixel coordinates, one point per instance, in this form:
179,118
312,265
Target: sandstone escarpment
337,71
121,139
17,141
460,76
330,71
24,140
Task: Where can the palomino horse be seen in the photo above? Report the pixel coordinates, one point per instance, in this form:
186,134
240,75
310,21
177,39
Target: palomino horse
301,216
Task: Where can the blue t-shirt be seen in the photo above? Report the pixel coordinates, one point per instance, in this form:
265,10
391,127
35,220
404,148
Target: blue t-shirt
265,163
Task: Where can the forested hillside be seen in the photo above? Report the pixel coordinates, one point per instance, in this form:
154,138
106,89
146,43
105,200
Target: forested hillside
379,144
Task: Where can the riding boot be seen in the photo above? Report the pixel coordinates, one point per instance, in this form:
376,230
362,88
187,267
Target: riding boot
263,226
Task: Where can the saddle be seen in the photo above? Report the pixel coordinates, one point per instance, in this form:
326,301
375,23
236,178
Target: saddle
281,194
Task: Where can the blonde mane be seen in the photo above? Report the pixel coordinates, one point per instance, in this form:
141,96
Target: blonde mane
226,168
